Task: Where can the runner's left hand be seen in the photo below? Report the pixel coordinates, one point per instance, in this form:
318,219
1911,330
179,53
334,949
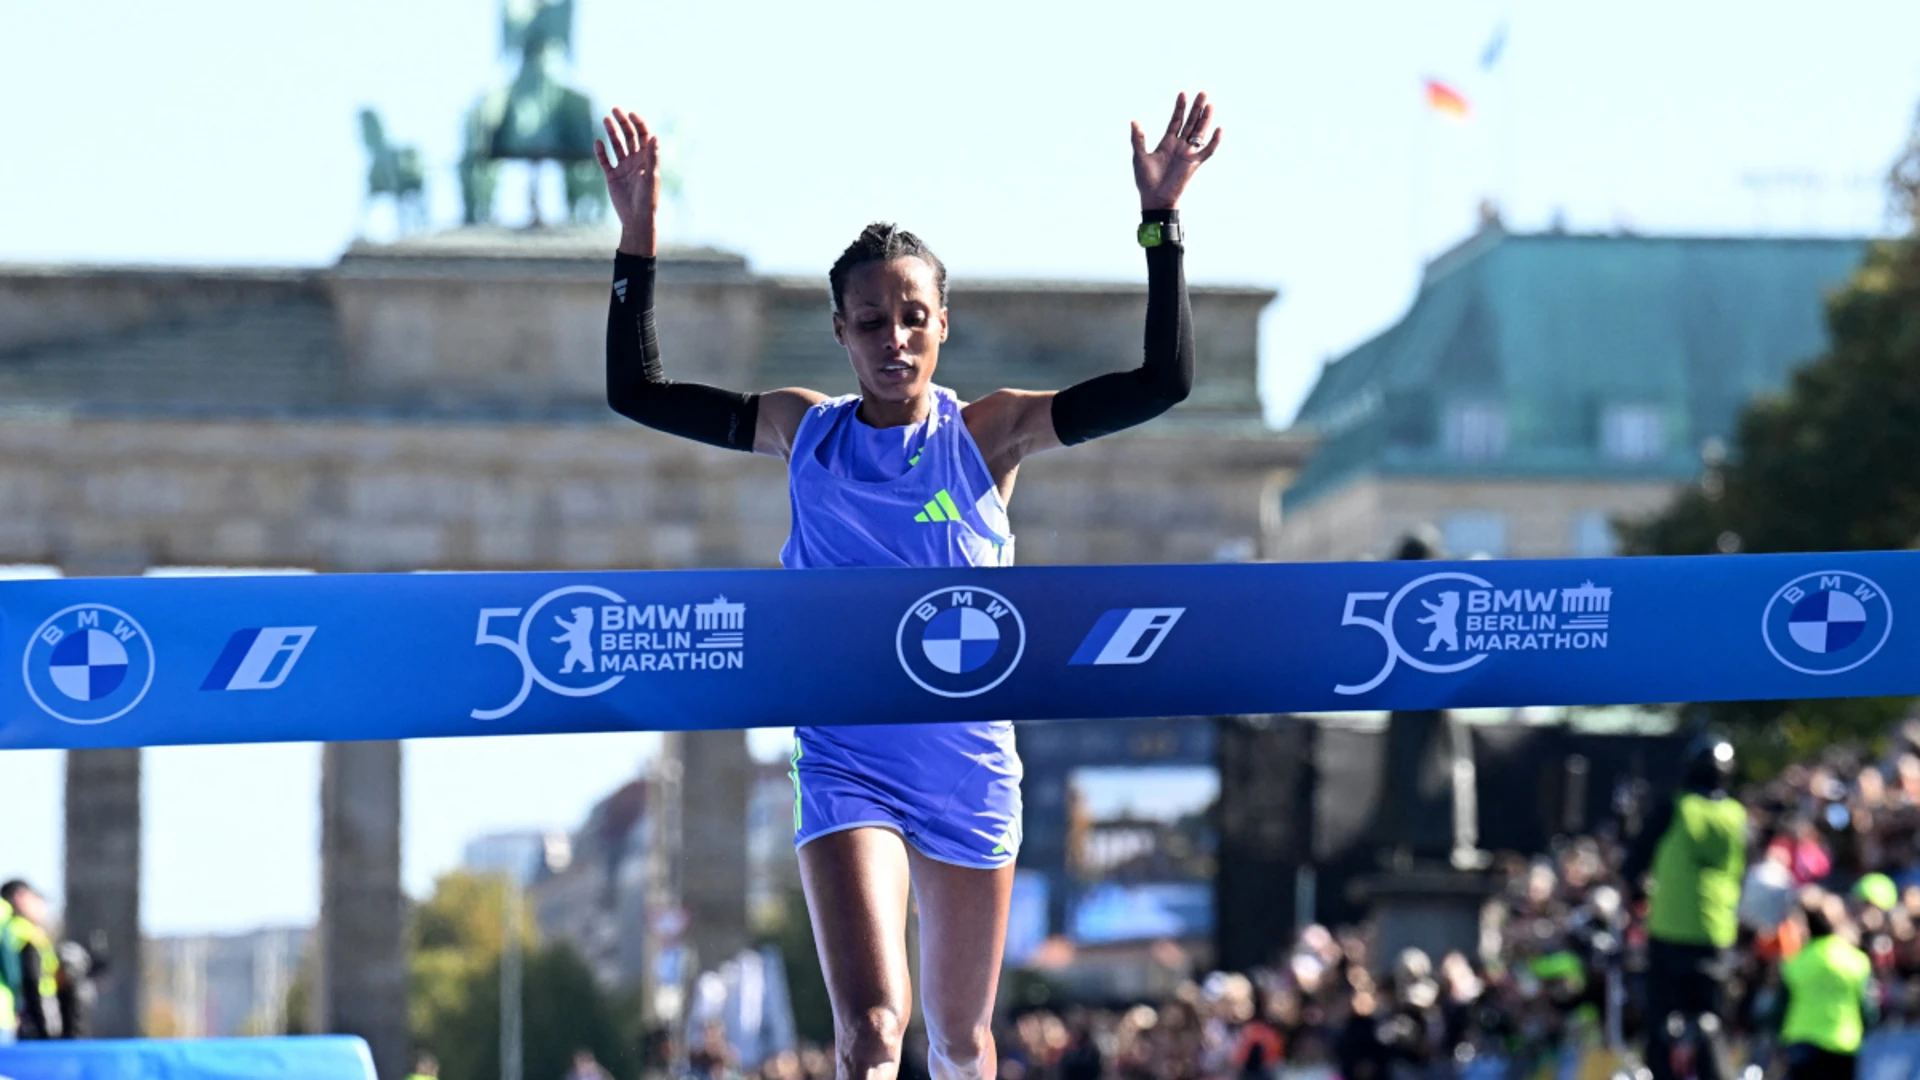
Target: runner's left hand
1162,173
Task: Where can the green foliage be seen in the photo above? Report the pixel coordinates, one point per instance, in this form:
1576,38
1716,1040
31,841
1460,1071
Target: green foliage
1771,735
296,1011
454,998
1030,989
564,1011
1825,466
792,934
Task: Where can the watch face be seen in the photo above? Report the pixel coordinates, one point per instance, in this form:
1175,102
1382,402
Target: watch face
1150,234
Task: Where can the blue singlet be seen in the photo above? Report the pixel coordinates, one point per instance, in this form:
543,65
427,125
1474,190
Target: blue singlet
919,495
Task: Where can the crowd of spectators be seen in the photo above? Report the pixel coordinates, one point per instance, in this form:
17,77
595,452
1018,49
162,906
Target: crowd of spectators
1556,976
1555,979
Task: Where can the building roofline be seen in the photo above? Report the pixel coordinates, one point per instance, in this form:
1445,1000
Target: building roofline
1488,237
68,271
1493,235
818,284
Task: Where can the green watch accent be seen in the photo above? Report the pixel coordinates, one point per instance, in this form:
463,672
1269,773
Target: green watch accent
1152,234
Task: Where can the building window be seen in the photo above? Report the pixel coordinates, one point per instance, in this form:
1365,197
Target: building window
1474,532
1633,432
1593,536
1475,430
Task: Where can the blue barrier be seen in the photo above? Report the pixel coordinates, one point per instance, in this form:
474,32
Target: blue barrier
306,1057
1889,1055
139,662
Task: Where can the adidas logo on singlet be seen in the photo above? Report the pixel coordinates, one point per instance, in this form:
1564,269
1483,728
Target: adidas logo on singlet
939,508
620,290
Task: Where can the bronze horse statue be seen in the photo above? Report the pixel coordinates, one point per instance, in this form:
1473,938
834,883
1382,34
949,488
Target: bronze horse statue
395,171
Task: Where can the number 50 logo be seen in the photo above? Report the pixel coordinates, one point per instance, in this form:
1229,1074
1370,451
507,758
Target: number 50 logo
1441,623
564,645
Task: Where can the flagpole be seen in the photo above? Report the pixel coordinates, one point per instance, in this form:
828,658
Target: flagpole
1416,176
1503,151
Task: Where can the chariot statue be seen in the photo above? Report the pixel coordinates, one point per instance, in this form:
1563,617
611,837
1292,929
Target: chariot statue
535,118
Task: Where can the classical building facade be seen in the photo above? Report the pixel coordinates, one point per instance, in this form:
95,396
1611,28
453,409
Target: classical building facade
1543,386
440,403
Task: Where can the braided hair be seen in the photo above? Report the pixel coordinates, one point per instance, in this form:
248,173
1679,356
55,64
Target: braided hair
882,242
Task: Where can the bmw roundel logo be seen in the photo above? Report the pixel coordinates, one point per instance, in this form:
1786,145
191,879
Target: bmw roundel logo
88,664
960,641
1827,622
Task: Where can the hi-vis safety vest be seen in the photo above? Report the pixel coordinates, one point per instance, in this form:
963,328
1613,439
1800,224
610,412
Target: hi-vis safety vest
1825,984
20,934
1696,873
9,975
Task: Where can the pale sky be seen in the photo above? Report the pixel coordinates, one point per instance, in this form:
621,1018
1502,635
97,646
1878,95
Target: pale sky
224,132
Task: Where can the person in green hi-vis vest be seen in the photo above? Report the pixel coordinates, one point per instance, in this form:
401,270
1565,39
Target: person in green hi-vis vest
9,978
425,1067
1829,995
30,953
1693,853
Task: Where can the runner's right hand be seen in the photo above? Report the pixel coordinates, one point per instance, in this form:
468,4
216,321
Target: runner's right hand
630,160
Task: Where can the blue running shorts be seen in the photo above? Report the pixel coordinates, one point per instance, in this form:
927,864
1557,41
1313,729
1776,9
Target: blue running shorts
950,790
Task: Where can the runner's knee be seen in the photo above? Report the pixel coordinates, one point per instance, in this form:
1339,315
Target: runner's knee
966,1048
870,1042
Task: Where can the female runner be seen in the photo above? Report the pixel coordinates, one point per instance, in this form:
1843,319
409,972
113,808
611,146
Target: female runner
880,810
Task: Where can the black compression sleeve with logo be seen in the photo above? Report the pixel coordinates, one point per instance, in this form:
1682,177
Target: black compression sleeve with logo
1109,403
637,385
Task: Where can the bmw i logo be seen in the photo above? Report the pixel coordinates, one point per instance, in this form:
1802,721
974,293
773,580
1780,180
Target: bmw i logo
960,641
88,664
1827,622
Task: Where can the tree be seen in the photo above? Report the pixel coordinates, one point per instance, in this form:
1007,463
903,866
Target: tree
792,935
454,1002
1826,465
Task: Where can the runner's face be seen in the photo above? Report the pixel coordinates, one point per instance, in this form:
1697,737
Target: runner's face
892,326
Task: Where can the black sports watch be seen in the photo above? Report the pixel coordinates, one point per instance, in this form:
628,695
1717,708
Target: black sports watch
1159,227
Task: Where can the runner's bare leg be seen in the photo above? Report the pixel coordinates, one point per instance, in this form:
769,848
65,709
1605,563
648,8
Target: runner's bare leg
963,926
857,887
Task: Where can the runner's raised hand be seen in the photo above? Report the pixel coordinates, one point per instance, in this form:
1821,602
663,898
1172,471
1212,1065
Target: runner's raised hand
630,160
1162,173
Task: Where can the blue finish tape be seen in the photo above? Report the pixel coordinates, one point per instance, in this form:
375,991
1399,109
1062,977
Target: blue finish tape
137,662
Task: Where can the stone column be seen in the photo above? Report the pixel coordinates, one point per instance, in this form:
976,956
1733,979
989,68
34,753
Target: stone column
103,839
103,878
361,974
715,771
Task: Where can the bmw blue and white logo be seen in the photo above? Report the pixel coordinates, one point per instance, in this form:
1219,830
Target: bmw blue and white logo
88,664
1827,622
960,641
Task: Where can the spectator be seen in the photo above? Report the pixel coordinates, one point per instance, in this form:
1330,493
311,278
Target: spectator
1259,1049
587,1067
1766,896
1082,1059
29,951
1829,996
1693,851
1806,855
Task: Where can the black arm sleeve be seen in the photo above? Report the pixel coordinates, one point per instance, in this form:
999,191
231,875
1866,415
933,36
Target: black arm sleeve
1640,854
637,385
33,1011
1108,403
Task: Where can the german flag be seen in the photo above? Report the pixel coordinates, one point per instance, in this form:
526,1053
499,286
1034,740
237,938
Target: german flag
1447,101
